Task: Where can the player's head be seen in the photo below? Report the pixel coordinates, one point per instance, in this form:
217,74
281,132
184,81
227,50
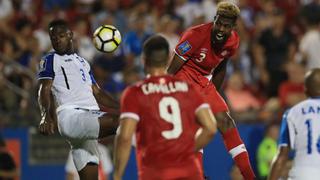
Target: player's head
156,52
312,82
224,21
60,36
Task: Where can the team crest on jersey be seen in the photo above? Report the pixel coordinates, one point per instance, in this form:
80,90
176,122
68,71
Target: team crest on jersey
184,47
42,65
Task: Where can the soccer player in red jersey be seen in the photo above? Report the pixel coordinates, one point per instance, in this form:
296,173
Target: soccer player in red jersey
201,58
163,112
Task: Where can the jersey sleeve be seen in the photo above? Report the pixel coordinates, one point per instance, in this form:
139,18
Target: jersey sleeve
46,67
128,104
188,43
284,139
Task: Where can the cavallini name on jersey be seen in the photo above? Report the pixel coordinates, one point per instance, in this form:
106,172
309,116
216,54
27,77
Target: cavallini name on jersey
310,109
171,87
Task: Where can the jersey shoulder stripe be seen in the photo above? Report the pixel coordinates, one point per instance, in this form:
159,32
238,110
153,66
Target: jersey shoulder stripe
284,139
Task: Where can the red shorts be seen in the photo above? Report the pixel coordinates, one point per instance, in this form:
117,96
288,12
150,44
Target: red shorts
205,88
190,170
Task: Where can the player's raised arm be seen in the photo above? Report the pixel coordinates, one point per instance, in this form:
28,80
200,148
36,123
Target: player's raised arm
208,124
104,98
47,124
123,146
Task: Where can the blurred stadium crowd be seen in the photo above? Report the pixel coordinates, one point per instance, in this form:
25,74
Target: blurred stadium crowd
280,40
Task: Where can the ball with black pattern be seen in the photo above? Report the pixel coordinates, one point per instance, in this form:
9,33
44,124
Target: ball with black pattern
106,38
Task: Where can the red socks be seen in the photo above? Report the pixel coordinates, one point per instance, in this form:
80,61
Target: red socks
238,152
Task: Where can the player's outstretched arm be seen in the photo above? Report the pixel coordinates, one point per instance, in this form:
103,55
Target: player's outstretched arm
48,122
123,146
175,65
103,98
278,163
208,124
218,74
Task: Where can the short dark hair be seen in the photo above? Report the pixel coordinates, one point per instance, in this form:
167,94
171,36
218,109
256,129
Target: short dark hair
156,51
58,23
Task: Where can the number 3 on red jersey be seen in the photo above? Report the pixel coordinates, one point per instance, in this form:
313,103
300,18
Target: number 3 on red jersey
172,117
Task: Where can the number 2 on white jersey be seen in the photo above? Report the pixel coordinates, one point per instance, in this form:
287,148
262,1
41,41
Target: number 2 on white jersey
173,117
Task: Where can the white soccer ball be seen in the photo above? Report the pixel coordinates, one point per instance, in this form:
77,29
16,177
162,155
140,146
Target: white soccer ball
106,38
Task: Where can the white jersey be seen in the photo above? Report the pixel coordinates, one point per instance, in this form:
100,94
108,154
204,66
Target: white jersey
72,80
300,129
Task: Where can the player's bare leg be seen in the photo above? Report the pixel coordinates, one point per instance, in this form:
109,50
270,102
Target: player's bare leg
89,172
234,144
108,124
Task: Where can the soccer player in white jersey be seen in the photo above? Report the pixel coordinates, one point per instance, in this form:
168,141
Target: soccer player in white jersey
300,130
66,77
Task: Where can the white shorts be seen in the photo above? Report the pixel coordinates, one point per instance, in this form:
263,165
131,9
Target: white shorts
304,173
81,129
105,165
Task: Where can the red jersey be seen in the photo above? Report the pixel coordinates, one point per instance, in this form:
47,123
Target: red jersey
195,48
165,108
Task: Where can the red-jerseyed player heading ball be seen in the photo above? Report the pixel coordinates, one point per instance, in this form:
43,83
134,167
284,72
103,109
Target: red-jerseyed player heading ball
201,59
